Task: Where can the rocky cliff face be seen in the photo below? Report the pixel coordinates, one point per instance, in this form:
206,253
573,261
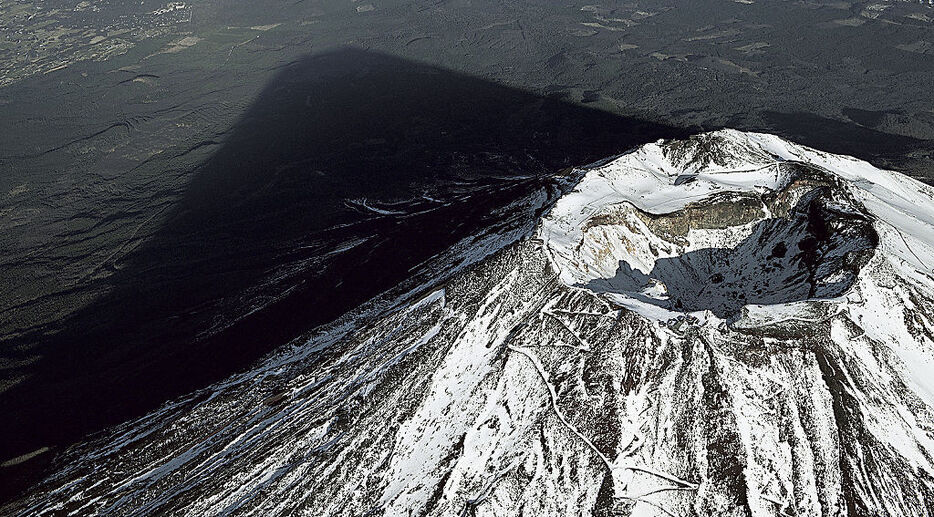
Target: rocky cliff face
728,325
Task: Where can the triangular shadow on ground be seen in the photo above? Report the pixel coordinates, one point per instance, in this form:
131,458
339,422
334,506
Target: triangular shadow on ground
260,216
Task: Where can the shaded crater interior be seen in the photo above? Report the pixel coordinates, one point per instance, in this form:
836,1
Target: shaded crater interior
807,241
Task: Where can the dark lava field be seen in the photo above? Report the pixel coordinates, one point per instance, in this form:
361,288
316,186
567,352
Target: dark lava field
175,177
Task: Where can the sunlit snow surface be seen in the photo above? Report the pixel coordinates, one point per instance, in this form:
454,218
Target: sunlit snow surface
543,368
901,210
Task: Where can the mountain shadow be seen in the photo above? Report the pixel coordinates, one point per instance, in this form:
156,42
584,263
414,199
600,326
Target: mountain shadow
815,253
349,169
833,136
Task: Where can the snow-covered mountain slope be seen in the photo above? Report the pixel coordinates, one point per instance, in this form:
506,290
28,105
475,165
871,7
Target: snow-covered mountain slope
727,325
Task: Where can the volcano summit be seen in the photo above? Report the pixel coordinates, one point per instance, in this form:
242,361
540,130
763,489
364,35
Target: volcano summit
731,324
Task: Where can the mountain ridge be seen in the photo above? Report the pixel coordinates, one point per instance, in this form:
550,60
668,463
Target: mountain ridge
527,370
